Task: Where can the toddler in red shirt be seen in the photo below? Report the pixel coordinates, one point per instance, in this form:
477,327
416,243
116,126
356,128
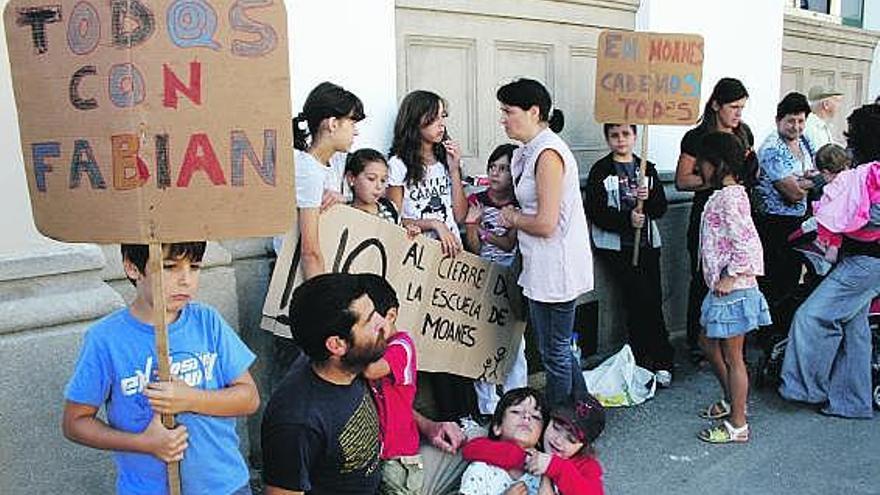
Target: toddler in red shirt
393,382
568,459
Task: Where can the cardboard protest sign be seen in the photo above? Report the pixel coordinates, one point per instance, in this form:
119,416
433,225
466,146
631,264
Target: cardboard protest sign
165,120
649,78
459,311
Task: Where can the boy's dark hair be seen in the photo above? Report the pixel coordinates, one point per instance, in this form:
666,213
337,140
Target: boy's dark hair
417,109
321,308
606,128
832,158
138,254
512,398
501,150
862,134
526,93
727,153
356,161
792,104
324,101
383,295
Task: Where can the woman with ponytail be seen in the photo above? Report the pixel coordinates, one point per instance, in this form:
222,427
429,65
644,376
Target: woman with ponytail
326,125
551,230
723,113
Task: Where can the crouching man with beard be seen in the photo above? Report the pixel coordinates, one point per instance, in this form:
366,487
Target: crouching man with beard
320,431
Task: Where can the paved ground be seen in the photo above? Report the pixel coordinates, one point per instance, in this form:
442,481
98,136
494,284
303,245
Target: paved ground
652,449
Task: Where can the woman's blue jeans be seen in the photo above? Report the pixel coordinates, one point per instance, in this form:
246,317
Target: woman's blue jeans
553,324
828,356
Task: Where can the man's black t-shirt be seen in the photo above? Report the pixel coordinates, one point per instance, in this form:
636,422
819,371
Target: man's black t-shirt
321,438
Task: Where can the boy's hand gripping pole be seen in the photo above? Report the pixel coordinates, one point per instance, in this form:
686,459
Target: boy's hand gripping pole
643,169
161,330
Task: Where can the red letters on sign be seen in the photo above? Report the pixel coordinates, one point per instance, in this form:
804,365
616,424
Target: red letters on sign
173,85
200,156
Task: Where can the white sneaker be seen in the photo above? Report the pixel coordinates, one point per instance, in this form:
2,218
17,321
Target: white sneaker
663,378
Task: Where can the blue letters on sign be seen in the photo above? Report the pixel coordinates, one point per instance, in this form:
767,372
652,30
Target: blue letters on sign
192,23
83,160
126,85
83,28
41,151
268,38
242,148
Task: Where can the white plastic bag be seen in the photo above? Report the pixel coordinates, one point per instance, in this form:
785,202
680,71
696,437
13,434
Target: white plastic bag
618,382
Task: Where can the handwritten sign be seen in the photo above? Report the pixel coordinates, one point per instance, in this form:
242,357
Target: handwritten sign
648,78
459,311
165,120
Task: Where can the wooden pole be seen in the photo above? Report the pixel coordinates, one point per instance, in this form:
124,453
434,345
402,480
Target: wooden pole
640,205
164,363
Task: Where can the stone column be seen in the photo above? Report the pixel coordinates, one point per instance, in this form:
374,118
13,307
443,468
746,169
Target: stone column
48,297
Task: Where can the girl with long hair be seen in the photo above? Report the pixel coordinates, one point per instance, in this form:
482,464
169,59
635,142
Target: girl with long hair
425,170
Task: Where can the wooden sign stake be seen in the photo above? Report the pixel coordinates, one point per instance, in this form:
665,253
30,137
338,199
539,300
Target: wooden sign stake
161,330
643,166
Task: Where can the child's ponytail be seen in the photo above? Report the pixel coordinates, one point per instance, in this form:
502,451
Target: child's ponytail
300,132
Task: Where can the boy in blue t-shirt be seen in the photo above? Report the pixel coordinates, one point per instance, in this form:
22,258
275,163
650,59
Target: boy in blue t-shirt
117,370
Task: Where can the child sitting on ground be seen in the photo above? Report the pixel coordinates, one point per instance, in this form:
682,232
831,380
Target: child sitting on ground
366,173
497,244
393,381
211,384
568,460
517,421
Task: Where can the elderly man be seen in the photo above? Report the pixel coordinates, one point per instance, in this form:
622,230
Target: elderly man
824,104
828,356
785,167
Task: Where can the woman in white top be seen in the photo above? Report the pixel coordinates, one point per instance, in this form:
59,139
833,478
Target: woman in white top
424,179
551,230
329,117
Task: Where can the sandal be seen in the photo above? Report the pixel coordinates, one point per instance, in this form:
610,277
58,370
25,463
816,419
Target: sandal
725,433
717,410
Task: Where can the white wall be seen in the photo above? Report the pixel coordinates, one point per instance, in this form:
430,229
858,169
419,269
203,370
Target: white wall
874,78
743,39
872,22
17,230
872,15
350,43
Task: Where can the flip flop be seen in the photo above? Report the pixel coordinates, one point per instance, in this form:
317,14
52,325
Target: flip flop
717,410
